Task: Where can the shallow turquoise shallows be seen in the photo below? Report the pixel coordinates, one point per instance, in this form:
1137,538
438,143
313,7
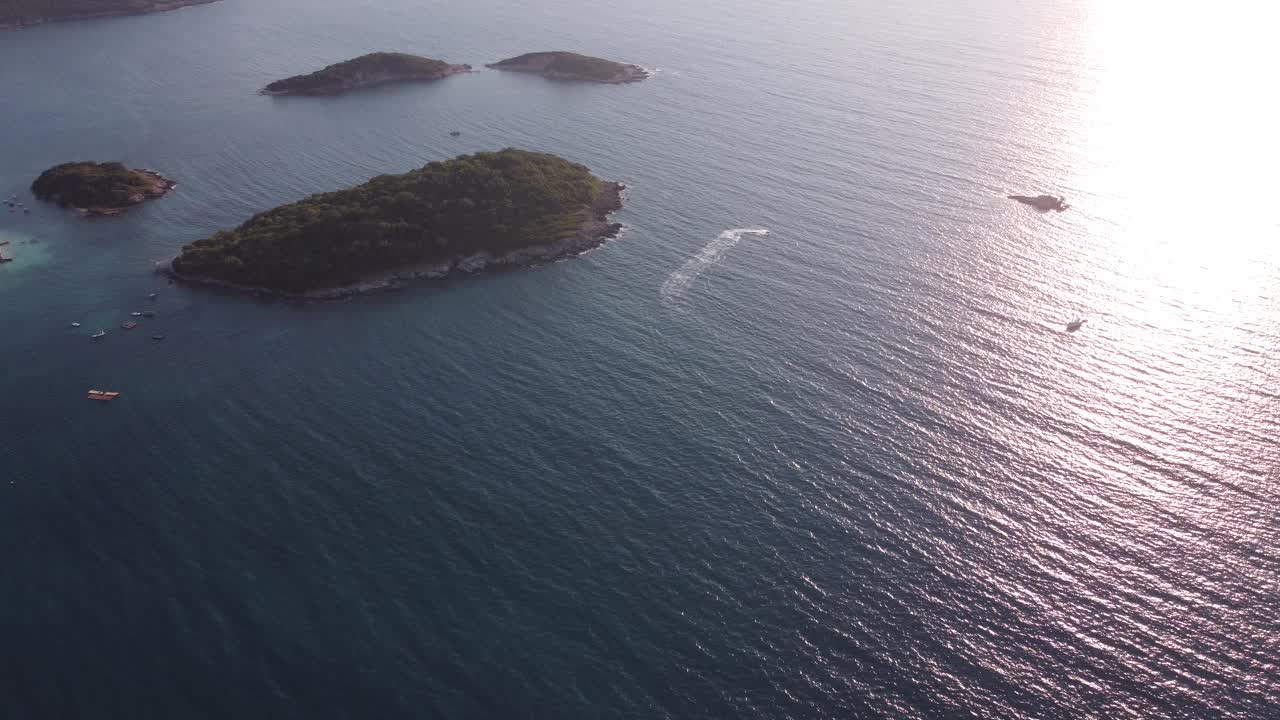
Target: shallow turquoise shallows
809,440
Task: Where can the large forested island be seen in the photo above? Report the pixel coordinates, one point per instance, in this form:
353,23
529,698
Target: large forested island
99,188
561,65
366,71
20,13
511,207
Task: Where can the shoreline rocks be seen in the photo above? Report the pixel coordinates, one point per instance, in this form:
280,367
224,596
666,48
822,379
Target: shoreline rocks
163,186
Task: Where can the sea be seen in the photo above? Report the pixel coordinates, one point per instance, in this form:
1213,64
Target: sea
808,440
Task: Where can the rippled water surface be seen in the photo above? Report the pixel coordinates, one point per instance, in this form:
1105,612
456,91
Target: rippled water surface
809,440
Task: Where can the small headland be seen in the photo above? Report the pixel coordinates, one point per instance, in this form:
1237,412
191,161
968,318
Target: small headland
28,13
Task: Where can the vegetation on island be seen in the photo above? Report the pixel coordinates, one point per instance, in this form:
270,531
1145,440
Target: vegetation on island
366,70
561,65
16,13
493,202
98,186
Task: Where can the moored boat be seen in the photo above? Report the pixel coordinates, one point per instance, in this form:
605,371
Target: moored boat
1043,202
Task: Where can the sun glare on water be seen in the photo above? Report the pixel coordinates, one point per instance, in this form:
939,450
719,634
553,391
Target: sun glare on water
1177,148
1170,153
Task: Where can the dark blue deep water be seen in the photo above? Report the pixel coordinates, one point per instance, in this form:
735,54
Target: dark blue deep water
807,441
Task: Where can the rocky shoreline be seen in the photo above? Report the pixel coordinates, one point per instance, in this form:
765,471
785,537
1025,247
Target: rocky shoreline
632,74
629,74
161,187
133,9
594,231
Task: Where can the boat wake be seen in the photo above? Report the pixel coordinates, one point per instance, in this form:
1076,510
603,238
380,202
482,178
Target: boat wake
678,283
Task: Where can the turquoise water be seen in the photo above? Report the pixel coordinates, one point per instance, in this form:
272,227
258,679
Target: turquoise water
808,440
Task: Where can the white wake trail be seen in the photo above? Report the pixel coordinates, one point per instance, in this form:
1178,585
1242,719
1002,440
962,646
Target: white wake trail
678,283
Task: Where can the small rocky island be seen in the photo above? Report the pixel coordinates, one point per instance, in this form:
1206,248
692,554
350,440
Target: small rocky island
23,13
366,71
560,65
100,189
1042,202
511,207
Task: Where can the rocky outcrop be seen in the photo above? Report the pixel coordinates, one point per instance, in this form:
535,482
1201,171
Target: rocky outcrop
100,189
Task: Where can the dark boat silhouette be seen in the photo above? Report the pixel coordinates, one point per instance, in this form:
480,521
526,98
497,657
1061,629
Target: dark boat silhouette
1042,202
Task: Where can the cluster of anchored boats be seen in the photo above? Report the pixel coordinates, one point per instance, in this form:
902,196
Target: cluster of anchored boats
109,395
14,206
129,324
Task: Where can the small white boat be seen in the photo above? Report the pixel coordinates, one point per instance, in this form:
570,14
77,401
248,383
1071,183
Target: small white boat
75,324
98,335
